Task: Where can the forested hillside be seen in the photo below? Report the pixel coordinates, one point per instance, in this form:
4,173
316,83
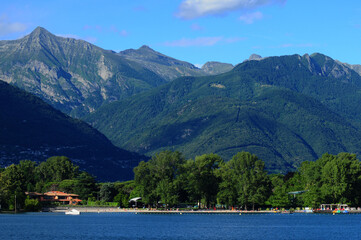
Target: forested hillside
32,129
284,109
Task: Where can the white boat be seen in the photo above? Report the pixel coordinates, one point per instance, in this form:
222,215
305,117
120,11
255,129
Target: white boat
72,212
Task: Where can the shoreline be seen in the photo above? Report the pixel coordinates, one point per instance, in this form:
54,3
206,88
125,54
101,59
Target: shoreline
156,211
153,211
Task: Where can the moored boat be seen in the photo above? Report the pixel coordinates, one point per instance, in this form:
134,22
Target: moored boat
72,212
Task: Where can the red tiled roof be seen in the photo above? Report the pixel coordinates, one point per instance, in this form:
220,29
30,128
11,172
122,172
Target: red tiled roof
58,193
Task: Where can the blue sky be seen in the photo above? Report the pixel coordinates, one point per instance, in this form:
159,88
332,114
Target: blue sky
197,31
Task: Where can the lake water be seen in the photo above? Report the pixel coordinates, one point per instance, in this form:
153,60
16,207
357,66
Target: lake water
139,226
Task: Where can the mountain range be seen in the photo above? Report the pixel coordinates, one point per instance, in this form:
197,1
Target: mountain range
169,68
77,77
285,109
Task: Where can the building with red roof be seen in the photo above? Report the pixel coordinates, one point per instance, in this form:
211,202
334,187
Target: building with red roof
55,196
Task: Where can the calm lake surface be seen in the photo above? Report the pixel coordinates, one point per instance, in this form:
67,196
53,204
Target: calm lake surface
139,226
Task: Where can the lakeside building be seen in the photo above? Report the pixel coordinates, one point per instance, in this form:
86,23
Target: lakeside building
55,196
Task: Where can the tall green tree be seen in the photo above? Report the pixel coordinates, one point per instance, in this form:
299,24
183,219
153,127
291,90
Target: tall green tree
280,197
145,183
341,178
107,192
202,178
249,180
55,169
85,186
332,179
228,189
15,180
156,179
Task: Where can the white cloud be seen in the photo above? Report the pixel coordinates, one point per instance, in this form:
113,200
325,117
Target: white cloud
7,27
202,41
249,18
190,9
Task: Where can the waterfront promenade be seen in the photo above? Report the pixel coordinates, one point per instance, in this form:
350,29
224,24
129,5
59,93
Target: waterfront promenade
175,211
151,211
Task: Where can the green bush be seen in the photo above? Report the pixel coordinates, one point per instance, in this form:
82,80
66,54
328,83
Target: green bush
32,205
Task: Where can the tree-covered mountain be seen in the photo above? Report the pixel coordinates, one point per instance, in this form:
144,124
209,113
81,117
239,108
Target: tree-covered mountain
284,109
166,67
32,129
72,75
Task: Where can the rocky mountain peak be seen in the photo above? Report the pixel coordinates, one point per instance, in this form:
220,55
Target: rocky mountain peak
255,57
146,48
216,67
38,38
326,66
40,32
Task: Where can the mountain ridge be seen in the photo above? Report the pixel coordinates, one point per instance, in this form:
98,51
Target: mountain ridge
32,129
167,67
278,108
78,77
73,75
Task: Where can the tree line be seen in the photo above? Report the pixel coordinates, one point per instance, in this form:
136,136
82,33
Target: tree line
169,180
244,183
56,173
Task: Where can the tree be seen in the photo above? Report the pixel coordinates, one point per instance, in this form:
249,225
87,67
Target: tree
202,179
55,169
124,190
32,205
85,186
107,192
156,178
228,193
145,183
332,179
279,197
122,199
67,185
341,178
167,192
15,180
249,179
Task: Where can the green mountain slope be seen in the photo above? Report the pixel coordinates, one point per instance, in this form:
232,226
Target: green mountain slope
284,109
72,75
32,129
318,76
